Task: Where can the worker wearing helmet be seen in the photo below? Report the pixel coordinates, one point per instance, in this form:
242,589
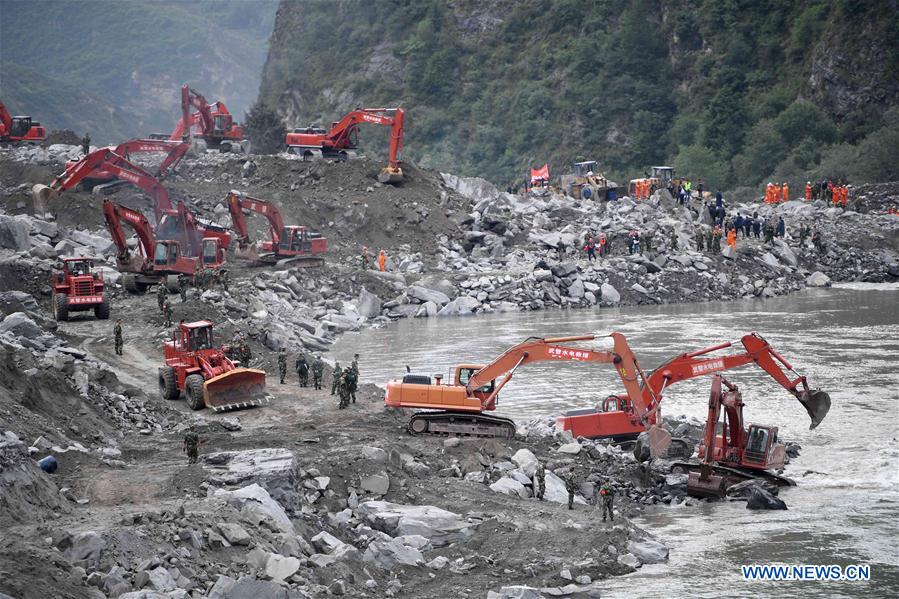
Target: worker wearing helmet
808,191
191,444
607,495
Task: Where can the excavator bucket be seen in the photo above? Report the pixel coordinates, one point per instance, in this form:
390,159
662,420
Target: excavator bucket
236,389
817,404
706,484
391,175
659,441
42,194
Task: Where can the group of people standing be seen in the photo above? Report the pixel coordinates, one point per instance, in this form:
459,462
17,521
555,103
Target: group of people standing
827,190
344,382
365,256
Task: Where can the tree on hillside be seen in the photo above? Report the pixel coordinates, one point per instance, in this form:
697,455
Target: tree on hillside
264,129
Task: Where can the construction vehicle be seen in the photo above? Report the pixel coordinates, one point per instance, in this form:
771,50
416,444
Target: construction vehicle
199,369
157,262
659,177
212,123
77,287
171,223
293,243
174,150
313,142
19,128
458,406
736,454
585,183
621,418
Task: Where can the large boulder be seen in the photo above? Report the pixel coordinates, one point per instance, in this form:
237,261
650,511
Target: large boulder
279,567
511,487
609,295
20,325
390,554
760,499
818,279
784,252
648,551
428,295
14,233
526,460
556,490
247,587
275,469
17,301
369,304
86,546
440,526
461,306
255,503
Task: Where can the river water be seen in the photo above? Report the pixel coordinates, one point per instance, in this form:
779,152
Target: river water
845,509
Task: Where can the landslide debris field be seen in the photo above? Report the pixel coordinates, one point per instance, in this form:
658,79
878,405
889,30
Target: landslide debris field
288,499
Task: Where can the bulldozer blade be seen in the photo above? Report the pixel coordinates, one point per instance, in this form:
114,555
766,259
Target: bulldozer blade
712,485
41,195
817,404
389,175
236,389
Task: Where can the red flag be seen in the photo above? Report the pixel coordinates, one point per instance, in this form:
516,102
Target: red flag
541,173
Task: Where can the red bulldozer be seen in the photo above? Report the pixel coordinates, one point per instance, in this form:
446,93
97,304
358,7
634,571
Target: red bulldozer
19,128
195,366
78,288
314,142
293,243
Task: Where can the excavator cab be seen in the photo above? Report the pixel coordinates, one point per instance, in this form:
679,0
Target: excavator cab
464,373
761,443
167,253
20,126
213,253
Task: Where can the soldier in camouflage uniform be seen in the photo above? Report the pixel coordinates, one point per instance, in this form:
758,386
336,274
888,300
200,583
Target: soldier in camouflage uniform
700,239
607,494
183,284
117,333
167,314
343,390
318,367
335,377
282,364
302,368
191,445
222,278
571,487
353,377
161,295
541,481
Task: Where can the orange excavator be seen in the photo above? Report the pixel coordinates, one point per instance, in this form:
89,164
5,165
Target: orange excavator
170,221
738,453
212,122
314,142
295,243
621,418
458,407
19,128
174,151
155,260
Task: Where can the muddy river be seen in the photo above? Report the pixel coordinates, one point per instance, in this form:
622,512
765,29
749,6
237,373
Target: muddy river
845,509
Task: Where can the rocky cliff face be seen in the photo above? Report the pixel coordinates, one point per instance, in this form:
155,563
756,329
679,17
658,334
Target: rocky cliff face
493,87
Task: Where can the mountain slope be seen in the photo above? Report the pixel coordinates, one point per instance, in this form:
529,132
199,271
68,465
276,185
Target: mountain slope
731,90
131,57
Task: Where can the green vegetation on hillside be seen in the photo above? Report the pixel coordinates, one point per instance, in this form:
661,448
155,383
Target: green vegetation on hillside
131,57
727,90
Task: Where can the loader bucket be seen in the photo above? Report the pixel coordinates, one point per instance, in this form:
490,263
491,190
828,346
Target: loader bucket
41,195
236,389
817,404
391,175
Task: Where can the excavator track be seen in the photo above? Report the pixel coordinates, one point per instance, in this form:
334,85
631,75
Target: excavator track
735,474
461,424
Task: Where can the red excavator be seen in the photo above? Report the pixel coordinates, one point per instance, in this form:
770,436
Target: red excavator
194,365
157,262
314,142
295,243
211,122
174,150
620,418
738,453
171,223
19,128
458,407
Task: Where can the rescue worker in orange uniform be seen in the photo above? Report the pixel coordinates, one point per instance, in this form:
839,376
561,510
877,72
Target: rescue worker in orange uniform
382,260
808,191
769,193
732,238
785,193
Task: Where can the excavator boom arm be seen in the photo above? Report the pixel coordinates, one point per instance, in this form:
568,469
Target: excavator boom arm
550,349
115,214
237,202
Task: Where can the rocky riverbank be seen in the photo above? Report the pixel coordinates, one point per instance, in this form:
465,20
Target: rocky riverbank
298,498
